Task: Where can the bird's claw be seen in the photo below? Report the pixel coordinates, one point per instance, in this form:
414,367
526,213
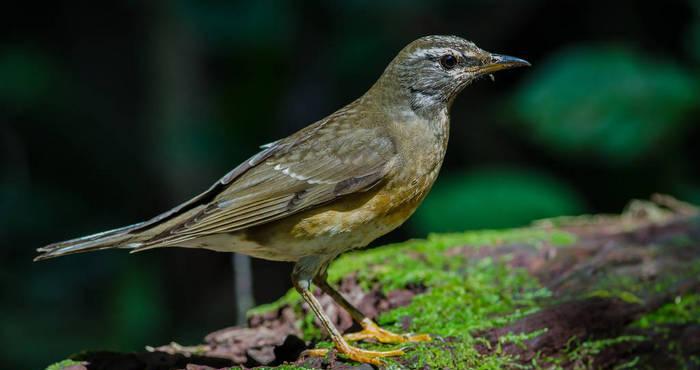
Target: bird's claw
355,354
370,330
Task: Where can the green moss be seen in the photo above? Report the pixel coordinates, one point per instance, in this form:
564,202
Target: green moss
521,337
397,265
461,296
63,364
683,310
461,355
464,296
625,296
614,282
583,355
480,295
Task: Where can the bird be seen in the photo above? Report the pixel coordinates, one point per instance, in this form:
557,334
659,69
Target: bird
331,187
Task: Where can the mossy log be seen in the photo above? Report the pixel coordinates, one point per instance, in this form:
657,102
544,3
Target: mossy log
587,292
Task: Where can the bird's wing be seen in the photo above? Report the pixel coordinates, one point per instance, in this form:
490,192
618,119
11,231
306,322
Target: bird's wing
308,169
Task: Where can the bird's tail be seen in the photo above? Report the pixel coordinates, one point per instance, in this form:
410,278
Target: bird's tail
117,238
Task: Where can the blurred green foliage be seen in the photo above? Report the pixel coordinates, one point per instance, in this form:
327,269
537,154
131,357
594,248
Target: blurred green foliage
250,23
606,102
693,32
494,198
27,76
136,306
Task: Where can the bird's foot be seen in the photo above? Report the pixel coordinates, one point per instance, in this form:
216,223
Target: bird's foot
355,354
370,330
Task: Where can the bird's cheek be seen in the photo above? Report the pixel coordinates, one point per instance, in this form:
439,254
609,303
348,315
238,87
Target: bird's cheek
465,80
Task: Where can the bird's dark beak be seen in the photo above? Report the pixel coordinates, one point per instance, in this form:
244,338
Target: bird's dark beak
498,62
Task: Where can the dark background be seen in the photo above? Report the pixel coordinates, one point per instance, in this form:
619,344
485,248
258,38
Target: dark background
113,112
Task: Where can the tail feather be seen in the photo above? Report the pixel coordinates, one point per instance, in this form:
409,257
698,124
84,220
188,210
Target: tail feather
117,238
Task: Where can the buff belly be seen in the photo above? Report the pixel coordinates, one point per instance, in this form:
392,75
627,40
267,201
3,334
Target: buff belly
324,231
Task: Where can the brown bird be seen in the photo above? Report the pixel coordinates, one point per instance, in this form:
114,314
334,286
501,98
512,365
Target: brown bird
331,187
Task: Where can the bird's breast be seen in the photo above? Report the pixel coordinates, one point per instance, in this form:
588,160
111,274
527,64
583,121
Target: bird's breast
357,219
361,218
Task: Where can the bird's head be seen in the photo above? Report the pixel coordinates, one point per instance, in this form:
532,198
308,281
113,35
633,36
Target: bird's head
432,70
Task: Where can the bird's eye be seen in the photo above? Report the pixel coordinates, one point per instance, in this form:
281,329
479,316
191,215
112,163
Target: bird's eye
448,61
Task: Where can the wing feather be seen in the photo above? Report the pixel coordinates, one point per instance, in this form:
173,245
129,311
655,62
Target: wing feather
314,166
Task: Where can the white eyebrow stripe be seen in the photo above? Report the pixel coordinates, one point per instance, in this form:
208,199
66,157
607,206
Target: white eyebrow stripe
423,53
438,51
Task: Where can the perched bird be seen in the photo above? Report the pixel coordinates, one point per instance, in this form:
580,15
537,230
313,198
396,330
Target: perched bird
331,187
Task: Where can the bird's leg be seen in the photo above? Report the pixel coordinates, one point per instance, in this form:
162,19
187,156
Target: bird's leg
303,284
370,330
